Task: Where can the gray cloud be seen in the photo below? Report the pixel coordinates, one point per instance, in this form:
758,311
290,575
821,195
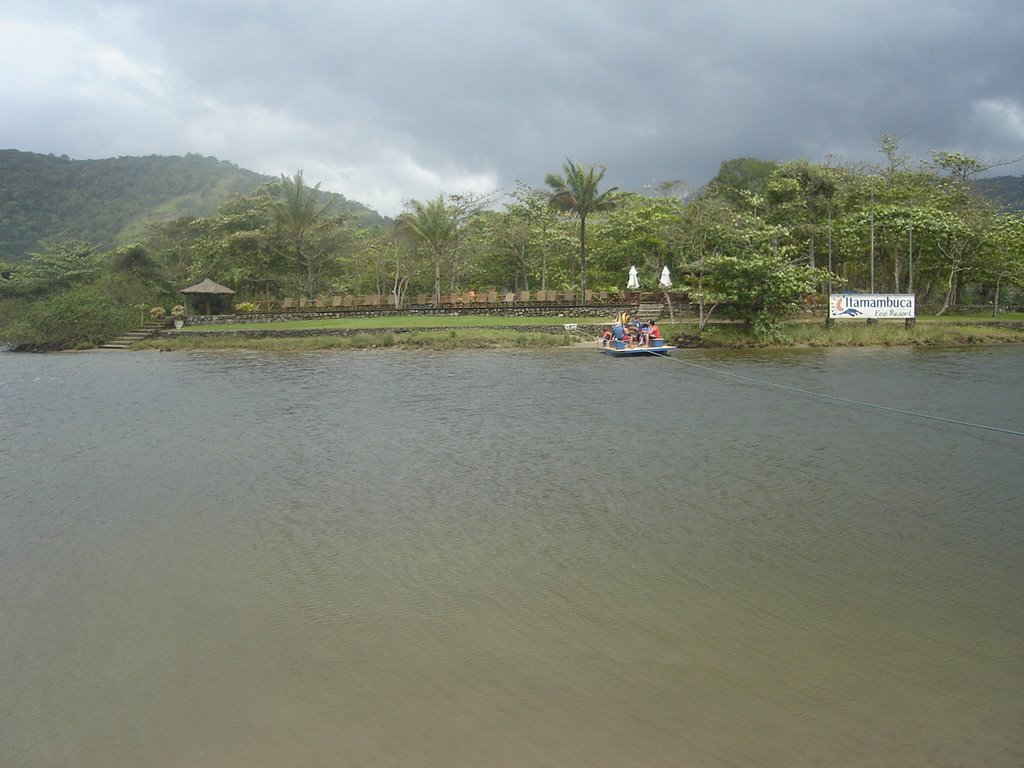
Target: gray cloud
406,100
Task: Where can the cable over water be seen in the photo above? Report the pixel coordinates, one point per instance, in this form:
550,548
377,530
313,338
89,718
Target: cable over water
847,400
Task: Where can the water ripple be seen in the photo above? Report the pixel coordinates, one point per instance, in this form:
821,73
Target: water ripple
507,558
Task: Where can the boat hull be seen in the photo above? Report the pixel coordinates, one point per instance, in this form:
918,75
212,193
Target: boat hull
660,350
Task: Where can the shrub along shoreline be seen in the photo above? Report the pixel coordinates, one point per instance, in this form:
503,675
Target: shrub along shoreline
928,333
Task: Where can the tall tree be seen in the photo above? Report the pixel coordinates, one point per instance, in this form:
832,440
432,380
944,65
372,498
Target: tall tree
799,195
637,232
437,225
545,237
296,211
393,255
738,176
241,246
761,287
1004,262
577,193
965,218
708,227
57,267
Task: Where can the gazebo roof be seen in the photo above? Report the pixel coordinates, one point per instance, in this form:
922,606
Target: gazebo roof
207,286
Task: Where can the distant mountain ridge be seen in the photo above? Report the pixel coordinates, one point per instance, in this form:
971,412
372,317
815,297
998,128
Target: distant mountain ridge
113,201
1006,191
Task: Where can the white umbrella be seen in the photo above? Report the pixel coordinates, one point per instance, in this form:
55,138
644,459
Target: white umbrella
633,283
666,281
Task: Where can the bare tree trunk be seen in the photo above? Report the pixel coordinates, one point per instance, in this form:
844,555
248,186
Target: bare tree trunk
543,268
583,255
950,288
437,278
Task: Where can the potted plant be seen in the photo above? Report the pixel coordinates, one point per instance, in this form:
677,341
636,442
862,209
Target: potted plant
178,315
157,314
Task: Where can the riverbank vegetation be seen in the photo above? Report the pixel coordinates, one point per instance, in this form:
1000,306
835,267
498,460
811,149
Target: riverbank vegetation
757,244
860,334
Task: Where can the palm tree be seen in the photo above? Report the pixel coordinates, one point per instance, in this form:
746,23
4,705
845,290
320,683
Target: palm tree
576,193
296,210
436,224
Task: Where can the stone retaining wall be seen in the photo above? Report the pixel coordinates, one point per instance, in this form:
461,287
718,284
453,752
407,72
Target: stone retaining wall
576,329
565,310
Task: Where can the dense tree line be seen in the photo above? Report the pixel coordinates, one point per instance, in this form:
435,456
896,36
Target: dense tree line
752,244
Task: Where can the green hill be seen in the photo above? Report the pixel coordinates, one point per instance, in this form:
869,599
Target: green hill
113,201
1007,191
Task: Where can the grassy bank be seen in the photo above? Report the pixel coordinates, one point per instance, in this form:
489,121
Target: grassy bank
465,338
931,332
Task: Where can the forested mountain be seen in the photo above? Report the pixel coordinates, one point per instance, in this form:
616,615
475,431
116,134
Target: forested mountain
113,201
1007,191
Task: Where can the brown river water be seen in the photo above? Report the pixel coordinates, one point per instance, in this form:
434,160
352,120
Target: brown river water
512,558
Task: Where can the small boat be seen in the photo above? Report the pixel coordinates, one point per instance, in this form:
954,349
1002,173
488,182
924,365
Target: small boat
658,348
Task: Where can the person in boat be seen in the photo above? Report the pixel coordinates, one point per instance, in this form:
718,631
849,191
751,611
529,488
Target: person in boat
606,337
653,332
644,331
618,332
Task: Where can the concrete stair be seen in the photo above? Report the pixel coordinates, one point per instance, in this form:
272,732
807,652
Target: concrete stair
649,311
126,339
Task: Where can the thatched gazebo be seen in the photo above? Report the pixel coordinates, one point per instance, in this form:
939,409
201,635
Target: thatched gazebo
207,289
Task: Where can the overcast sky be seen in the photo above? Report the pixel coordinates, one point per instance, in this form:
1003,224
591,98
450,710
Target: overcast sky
390,100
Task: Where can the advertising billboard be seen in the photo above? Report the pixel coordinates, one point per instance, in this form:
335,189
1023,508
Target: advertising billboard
871,306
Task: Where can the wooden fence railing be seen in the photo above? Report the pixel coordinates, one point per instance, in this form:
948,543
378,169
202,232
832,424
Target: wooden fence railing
479,299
